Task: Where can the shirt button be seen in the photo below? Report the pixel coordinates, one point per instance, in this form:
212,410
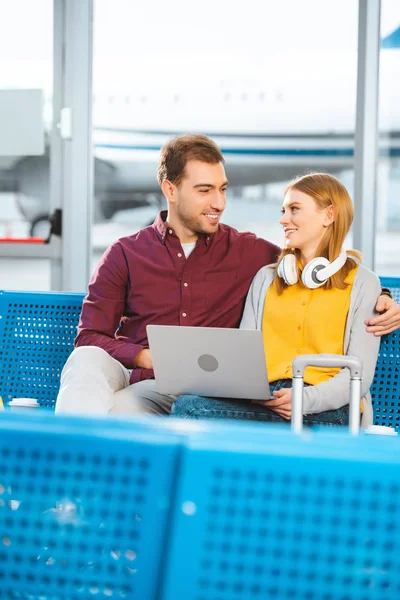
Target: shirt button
183,314
179,254
299,327
304,303
169,230
185,284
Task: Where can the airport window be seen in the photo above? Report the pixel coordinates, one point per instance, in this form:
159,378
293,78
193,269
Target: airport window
26,68
388,171
277,94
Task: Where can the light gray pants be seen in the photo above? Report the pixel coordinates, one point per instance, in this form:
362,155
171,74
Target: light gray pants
94,383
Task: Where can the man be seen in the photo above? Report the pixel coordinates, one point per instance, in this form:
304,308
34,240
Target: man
185,269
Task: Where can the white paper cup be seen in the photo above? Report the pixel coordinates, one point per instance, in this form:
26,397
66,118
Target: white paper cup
23,403
380,430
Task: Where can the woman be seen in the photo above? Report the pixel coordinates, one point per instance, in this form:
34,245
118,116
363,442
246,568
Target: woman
314,300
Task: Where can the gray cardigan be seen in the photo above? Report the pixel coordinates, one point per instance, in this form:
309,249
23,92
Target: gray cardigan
334,393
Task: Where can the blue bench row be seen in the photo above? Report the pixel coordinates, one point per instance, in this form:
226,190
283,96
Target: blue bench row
162,509
37,331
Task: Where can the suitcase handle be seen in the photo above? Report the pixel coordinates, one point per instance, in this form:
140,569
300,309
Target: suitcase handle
326,360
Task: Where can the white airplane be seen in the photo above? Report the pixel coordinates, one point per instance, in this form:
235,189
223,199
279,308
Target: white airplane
267,133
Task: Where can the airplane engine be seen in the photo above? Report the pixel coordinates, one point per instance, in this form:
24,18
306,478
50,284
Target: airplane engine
30,179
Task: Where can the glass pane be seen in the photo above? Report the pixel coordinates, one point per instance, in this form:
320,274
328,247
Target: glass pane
268,81
387,245
26,63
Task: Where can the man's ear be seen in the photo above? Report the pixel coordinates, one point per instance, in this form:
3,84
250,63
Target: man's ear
169,190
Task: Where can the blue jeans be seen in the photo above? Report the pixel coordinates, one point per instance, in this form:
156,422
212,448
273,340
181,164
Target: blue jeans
197,407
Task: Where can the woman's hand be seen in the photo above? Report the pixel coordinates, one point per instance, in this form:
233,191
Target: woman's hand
281,403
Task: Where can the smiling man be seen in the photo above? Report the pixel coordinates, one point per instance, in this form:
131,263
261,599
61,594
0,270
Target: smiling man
185,269
197,200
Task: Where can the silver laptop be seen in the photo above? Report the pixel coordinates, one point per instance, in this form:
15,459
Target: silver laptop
209,361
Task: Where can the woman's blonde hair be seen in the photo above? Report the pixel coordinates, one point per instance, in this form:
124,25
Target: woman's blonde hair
326,191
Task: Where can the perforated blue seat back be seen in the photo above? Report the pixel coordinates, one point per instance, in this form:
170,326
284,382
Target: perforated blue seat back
37,331
393,283
385,389
292,519
82,515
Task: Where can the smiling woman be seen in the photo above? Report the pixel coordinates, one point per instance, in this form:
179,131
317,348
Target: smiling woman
313,301
317,214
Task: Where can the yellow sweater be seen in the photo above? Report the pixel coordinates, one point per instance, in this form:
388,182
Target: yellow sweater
304,321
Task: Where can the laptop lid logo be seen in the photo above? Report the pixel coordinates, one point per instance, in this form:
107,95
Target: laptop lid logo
207,362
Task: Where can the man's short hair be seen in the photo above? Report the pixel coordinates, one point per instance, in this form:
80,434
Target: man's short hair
177,152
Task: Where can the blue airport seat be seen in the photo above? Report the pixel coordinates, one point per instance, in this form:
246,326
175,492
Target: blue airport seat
274,515
393,283
84,507
37,331
385,389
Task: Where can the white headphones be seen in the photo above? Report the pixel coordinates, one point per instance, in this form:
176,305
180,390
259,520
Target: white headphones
315,273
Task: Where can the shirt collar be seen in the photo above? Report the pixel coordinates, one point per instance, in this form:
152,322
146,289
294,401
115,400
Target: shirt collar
161,226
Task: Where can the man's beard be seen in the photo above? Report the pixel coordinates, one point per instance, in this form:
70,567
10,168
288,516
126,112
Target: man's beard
194,224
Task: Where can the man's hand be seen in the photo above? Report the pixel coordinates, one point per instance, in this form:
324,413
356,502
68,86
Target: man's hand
143,359
281,404
389,321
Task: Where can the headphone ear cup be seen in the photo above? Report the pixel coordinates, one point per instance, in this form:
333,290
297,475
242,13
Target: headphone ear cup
308,276
287,269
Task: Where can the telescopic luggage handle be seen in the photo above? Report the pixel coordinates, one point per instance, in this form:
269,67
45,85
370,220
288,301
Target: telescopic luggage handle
326,360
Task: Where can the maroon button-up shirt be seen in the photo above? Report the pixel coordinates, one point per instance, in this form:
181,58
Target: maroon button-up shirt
145,278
